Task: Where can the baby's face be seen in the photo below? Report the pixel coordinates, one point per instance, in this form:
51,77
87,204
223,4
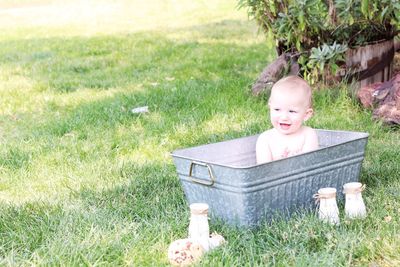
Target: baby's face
288,111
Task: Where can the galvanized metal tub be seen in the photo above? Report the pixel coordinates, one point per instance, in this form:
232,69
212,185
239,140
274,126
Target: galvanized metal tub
240,192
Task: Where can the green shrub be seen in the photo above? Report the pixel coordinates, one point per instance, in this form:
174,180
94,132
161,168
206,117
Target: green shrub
301,25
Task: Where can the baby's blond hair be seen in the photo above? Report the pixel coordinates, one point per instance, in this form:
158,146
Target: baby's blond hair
294,84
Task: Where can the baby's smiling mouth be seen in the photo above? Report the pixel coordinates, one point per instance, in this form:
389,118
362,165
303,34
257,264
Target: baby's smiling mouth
284,126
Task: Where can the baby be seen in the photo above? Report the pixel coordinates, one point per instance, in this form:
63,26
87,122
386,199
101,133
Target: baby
290,105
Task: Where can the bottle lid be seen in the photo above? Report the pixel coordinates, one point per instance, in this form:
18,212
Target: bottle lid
326,193
199,208
353,188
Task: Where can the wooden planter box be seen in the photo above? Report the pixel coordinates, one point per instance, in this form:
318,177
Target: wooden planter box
370,64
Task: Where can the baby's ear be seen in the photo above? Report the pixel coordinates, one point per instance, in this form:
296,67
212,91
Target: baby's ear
309,113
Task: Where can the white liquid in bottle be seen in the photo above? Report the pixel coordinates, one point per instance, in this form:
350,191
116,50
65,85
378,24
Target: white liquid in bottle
198,227
354,206
328,209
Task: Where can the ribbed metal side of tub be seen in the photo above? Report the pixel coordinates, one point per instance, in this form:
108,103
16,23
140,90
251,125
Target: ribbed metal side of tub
238,191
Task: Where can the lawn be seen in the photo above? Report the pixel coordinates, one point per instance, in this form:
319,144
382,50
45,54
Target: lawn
84,181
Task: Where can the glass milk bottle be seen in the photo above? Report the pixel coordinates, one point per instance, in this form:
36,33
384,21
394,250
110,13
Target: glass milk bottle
354,206
328,209
198,227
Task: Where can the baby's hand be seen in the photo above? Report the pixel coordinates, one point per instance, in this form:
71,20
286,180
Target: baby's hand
285,153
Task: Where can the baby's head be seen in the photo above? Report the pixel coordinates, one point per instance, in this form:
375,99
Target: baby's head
290,104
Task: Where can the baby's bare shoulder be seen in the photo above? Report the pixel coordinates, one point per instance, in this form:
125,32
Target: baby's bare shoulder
264,136
309,131
263,152
311,139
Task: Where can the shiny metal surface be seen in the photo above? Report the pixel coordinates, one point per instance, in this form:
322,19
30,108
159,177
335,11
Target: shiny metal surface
238,191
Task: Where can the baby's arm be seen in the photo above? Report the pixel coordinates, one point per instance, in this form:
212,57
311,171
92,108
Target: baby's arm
310,140
263,152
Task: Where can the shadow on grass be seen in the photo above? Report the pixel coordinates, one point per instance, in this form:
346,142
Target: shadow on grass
140,219
95,226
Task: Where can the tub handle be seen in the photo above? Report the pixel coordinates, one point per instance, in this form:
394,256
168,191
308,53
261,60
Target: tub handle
201,181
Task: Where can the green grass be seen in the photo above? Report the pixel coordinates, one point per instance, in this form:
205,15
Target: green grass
83,181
